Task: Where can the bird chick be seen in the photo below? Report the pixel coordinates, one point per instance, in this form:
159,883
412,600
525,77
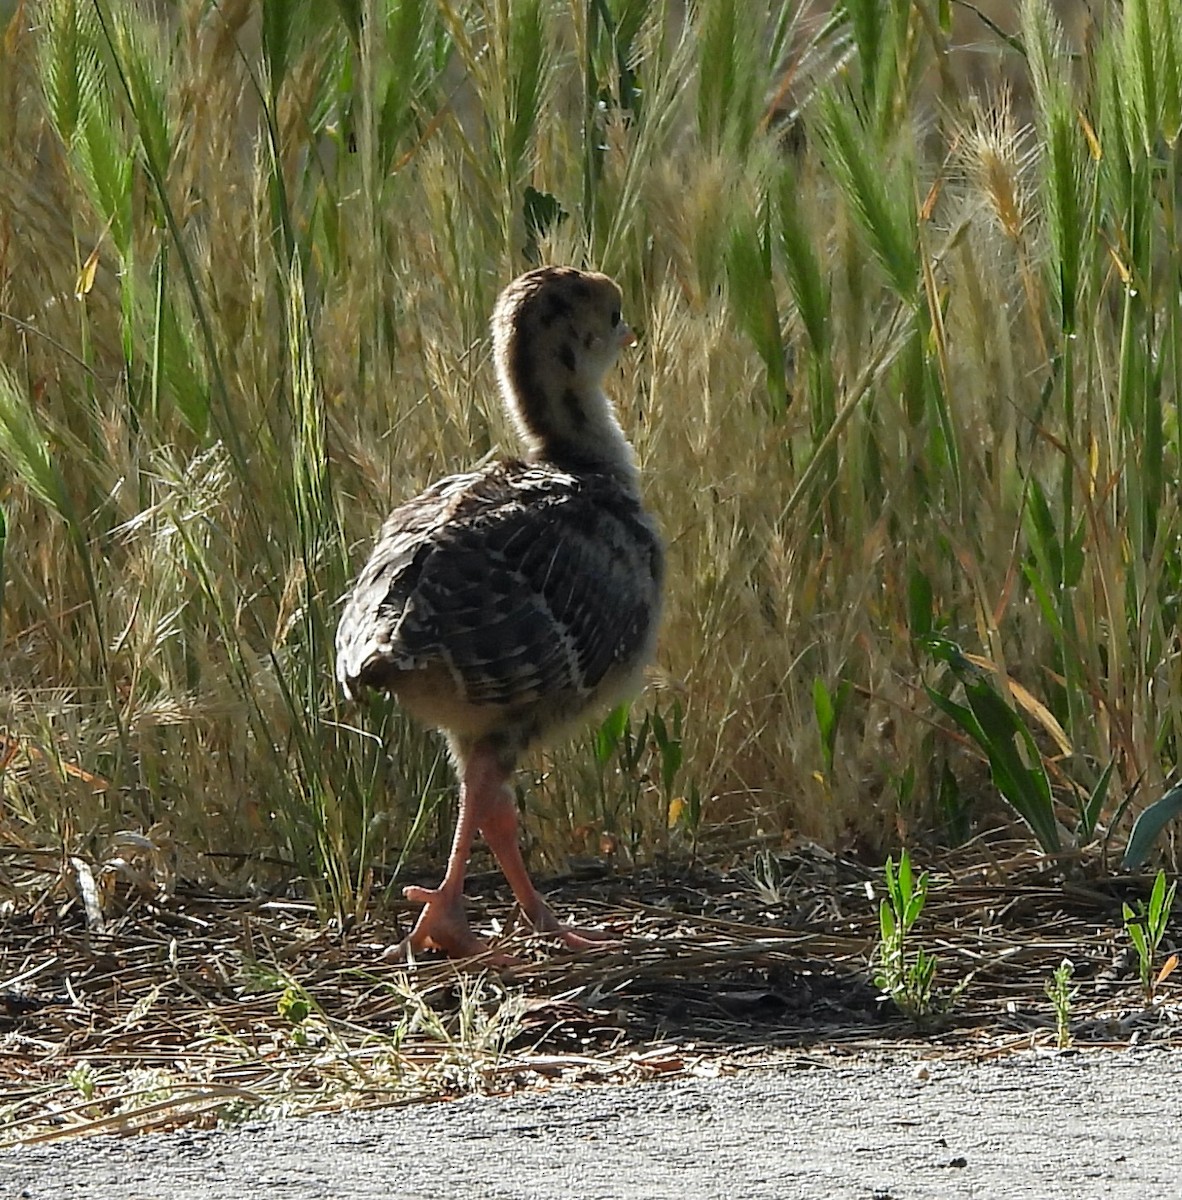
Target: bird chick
501,605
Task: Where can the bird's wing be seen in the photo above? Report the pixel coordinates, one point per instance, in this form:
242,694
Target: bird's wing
535,585
368,631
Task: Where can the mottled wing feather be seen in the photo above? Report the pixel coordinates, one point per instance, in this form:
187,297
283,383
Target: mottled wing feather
593,567
368,629
524,581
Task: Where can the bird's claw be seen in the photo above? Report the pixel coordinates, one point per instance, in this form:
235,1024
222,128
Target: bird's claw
572,937
442,925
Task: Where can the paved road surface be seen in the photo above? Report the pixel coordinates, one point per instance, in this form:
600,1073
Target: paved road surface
1078,1126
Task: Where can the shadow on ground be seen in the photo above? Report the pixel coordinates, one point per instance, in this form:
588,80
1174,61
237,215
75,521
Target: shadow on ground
184,1007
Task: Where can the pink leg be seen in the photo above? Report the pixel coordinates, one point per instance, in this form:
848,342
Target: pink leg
497,821
443,924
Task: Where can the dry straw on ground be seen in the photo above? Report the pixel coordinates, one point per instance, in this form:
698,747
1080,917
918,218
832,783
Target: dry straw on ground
193,1008
909,366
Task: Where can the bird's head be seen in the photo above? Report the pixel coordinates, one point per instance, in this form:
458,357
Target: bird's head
557,332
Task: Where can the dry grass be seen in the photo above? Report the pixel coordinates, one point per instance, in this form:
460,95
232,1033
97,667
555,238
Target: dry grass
244,283
188,1008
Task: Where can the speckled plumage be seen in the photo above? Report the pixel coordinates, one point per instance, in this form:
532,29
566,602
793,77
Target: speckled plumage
522,592
500,605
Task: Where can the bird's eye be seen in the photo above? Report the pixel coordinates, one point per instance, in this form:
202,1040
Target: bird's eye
615,317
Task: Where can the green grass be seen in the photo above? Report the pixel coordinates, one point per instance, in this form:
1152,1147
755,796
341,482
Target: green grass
909,365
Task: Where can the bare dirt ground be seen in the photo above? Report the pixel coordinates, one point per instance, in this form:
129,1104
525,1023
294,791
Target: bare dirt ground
1038,1125
731,1044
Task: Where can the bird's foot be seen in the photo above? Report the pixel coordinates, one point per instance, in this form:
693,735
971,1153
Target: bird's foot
573,938
442,925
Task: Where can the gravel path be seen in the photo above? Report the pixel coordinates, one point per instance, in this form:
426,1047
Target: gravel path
1082,1125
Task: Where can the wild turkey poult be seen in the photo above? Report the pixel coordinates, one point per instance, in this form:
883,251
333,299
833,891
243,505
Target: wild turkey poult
501,605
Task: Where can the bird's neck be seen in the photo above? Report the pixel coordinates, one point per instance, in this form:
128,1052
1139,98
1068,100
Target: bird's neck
576,431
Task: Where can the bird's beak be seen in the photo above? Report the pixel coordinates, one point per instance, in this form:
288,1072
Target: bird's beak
624,335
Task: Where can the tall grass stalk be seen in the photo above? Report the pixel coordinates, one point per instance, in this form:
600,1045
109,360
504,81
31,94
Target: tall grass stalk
909,365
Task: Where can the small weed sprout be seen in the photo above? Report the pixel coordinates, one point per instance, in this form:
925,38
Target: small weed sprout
1061,995
1146,926
766,876
84,1080
295,1006
908,980
908,984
